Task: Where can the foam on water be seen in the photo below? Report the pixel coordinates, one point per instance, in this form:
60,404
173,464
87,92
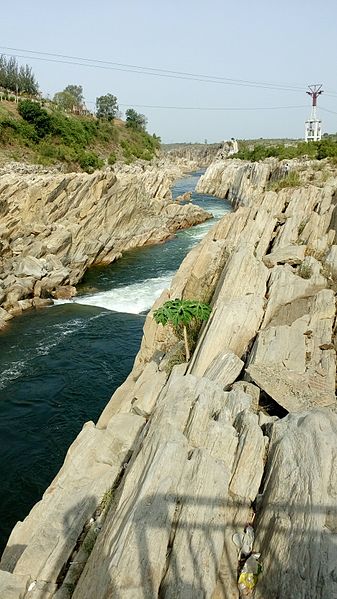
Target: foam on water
138,297
132,299
59,366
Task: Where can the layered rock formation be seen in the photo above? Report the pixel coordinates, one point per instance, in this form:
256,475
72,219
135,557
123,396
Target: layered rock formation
202,154
54,226
186,455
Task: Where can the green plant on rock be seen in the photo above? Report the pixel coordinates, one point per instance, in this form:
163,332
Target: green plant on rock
89,161
304,270
179,313
292,179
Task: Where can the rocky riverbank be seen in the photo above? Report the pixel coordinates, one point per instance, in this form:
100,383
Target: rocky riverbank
54,226
184,456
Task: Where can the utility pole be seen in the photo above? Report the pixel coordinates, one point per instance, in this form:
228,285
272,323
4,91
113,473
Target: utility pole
313,126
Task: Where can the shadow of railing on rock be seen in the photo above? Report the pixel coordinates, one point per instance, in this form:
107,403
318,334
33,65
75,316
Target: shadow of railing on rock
172,546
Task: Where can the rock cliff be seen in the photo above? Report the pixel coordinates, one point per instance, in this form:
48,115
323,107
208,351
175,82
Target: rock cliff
202,154
54,226
185,456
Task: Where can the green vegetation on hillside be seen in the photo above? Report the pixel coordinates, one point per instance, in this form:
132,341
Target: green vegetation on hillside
291,179
48,135
64,130
327,148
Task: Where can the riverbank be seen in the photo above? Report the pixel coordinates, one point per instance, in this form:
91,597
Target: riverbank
55,226
183,457
59,366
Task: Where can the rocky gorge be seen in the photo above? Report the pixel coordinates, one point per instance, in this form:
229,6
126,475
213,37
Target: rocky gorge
185,456
54,226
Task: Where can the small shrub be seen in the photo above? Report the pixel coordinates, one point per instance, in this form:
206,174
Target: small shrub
112,158
180,314
73,132
304,270
89,161
20,130
292,179
37,116
107,499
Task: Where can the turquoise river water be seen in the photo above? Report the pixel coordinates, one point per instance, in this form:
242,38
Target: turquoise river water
59,366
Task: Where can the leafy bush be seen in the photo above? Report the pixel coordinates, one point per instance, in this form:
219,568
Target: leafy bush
112,158
55,153
292,179
326,149
140,145
20,130
89,161
304,270
135,120
180,313
37,116
316,150
74,132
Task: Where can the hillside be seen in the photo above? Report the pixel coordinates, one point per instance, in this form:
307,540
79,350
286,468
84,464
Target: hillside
50,136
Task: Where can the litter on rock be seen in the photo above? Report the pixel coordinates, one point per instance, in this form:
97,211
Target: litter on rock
249,573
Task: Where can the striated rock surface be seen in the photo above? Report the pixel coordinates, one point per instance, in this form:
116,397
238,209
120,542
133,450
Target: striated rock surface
54,226
184,456
297,520
202,154
236,180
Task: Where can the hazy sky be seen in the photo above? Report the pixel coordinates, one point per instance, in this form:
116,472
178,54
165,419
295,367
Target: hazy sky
283,42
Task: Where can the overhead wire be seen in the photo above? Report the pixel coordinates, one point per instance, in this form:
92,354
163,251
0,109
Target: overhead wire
153,71
327,110
213,108
159,72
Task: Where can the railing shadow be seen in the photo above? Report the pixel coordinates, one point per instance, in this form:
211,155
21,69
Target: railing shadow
176,547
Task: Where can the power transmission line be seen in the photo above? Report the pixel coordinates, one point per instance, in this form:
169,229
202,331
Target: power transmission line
109,65
327,110
212,108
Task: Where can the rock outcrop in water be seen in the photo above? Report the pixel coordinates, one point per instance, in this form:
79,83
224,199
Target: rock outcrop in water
186,455
54,226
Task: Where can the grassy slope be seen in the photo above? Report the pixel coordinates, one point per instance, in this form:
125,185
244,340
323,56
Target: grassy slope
80,142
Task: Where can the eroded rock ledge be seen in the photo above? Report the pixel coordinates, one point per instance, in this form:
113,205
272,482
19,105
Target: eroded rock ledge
147,501
54,226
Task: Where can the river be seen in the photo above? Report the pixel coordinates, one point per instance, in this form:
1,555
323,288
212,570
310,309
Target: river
59,366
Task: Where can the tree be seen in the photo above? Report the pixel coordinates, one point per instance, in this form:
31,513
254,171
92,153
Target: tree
135,120
106,107
12,74
71,97
26,81
15,78
77,92
64,100
3,70
179,313
37,116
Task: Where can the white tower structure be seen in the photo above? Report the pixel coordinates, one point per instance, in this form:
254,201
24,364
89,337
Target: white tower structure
313,126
